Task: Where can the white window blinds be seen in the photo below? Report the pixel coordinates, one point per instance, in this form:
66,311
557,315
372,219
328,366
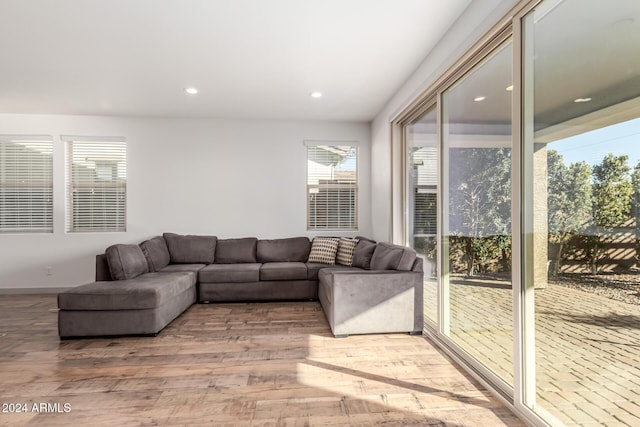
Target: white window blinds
96,184
425,179
332,187
26,184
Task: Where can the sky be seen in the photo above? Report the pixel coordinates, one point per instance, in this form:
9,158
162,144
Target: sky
592,147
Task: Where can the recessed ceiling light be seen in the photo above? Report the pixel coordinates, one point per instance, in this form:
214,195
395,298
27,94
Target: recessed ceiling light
479,98
316,94
582,100
191,90
509,88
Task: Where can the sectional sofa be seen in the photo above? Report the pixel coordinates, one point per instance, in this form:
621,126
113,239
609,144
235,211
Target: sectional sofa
363,286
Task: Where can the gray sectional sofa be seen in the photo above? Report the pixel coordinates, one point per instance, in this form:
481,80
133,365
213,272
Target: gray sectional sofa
363,286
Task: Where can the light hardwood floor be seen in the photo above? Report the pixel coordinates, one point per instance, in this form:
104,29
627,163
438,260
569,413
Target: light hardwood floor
264,364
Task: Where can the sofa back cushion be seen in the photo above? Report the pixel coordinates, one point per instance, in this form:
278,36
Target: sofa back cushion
235,251
156,252
189,249
126,261
293,249
363,253
102,268
392,257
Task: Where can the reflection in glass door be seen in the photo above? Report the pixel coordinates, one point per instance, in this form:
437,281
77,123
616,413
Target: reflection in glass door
476,228
421,201
582,187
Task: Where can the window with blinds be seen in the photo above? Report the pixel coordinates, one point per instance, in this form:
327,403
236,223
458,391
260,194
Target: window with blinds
96,184
426,212
332,187
26,184
424,160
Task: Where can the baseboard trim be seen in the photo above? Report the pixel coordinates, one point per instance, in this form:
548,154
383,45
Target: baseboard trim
28,291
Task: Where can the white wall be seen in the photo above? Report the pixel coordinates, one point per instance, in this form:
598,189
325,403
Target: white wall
230,178
476,20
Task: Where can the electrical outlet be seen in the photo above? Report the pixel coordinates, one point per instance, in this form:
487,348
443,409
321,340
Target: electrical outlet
49,270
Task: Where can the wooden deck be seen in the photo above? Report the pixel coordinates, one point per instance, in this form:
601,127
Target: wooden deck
264,364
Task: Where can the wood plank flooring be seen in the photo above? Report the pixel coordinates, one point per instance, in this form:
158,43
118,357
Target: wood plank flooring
263,364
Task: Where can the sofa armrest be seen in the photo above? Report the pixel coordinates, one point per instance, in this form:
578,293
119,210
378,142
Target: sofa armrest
374,301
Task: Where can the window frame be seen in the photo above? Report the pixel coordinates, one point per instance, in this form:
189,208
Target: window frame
118,186
348,226
43,212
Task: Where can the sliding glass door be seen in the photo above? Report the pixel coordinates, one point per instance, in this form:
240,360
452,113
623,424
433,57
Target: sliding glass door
476,194
581,88
421,201
522,193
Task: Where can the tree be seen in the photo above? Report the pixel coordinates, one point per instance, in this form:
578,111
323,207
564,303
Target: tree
570,203
480,203
612,191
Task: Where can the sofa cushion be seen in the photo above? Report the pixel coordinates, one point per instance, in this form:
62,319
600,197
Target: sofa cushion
181,268
363,253
233,251
392,257
323,250
292,249
126,261
346,249
144,292
230,273
156,252
313,270
283,271
191,249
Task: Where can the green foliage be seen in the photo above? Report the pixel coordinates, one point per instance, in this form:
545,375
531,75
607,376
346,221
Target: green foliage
583,203
612,191
569,204
480,203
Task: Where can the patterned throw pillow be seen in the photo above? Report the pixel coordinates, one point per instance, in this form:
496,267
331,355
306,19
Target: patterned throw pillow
323,250
346,249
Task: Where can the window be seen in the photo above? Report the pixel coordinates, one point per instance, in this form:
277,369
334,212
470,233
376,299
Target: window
96,184
26,184
332,186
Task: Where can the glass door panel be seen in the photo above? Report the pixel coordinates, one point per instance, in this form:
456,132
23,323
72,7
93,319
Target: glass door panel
581,89
476,227
421,202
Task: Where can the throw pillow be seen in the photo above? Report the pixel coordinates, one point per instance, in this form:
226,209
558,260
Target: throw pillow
346,249
323,250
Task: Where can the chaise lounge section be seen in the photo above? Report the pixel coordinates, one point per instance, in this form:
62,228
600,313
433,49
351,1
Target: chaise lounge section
138,302
363,286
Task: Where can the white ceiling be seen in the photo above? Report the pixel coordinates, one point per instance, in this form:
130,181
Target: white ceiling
256,59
